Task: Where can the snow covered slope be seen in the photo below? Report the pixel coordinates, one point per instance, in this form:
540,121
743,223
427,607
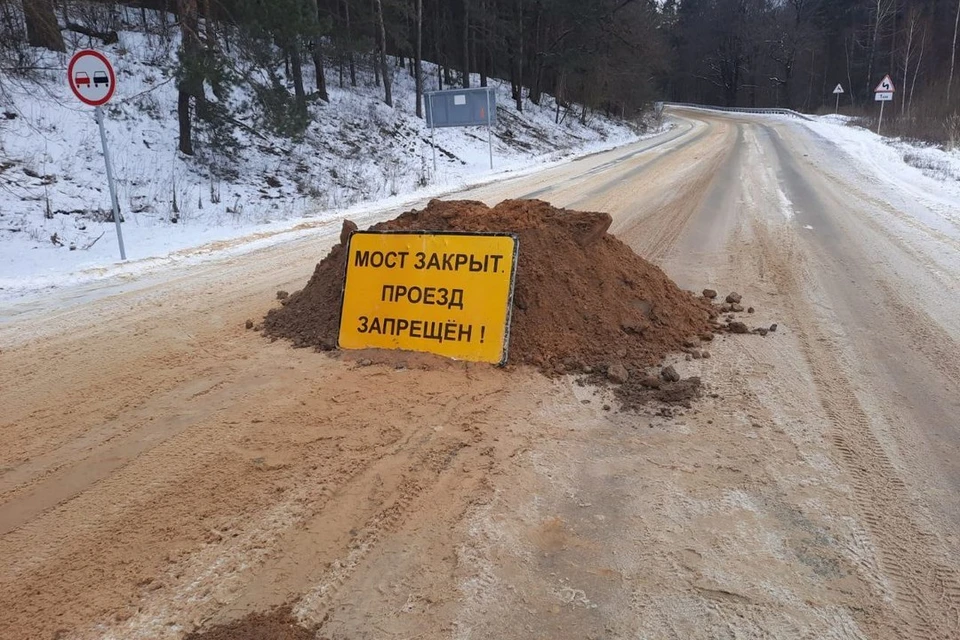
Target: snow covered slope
922,173
55,205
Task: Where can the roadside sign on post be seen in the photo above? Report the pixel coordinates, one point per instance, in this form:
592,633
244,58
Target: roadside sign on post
837,92
91,78
462,108
883,94
444,293
885,86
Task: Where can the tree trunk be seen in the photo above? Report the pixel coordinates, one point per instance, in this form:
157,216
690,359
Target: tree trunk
953,53
535,86
418,60
480,48
846,50
296,68
191,83
42,28
208,30
466,44
350,59
316,51
376,46
183,119
437,31
913,85
382,34
519,95
911,23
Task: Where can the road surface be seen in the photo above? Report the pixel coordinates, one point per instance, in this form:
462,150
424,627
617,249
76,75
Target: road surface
164,470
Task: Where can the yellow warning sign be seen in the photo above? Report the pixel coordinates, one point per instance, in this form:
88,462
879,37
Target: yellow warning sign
443,293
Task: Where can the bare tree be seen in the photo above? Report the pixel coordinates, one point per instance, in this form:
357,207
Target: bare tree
882,11
316,50
518,96
466,44
953,52
916,72
913,20
351,61
418,60
382,35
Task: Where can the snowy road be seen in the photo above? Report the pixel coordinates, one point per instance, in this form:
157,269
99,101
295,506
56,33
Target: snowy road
164,469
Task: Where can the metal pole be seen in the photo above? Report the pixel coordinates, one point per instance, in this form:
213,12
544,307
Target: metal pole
489,129
880,122
837,111
98,116
433,138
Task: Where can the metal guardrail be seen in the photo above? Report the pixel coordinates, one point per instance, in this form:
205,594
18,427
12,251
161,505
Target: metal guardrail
779,112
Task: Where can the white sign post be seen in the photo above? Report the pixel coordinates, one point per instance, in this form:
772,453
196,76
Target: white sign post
837,92
882,94
92,80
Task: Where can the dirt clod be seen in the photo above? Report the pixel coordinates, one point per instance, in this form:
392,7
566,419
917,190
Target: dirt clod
347,230
670,374
734,297
709,294
738,327
750,309
282,295
736,308
683,392
617,373
577,288
650,382
773,328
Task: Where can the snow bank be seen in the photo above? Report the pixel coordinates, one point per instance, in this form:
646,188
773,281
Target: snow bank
356,151
925,174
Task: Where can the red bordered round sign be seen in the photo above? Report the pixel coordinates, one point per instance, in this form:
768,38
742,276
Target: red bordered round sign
91,78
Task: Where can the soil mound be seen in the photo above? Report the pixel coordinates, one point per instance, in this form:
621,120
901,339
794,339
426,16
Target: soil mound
584,301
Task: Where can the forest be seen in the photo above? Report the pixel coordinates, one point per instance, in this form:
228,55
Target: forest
615,56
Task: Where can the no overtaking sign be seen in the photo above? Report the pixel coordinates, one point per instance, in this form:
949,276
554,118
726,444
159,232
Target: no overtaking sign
91,78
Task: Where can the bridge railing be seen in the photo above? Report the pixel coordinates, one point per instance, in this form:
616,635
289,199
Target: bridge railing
779,112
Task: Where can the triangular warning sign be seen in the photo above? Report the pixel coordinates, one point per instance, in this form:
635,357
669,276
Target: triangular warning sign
839,89
885,86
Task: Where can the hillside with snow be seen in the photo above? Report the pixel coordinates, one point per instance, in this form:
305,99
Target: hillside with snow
55,213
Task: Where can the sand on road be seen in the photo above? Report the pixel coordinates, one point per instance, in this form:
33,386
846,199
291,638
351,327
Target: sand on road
164,470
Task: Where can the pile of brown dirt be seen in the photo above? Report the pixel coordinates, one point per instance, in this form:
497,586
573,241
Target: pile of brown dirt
278,624
583,300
